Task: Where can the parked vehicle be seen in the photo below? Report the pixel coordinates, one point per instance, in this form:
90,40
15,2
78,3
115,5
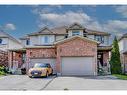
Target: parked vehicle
40,70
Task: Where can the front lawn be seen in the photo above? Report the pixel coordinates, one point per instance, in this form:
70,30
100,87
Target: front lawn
124,77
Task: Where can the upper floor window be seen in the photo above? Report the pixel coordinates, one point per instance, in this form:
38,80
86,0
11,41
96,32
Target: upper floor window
75,33
27,42
99,38
46,39
1,41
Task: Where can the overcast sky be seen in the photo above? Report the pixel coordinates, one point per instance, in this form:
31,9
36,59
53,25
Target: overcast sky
21,20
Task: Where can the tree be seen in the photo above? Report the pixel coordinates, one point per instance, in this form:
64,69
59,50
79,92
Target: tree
115,58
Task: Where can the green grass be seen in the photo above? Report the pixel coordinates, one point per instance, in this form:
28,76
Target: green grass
124,77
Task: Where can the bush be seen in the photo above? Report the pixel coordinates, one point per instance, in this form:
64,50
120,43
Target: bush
2,70
2,73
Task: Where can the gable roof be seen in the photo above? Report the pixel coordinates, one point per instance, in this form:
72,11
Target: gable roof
44,30
24,37
95,32
6,35
62,30
76,26
77,36
59,30
124,36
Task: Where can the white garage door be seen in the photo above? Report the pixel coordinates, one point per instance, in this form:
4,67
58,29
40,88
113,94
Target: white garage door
77,66
50,60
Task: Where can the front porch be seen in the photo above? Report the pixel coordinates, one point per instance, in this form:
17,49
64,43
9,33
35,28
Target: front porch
17,60
124,61
103,57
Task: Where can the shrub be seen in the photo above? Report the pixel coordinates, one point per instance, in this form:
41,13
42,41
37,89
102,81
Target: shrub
2,70
115,58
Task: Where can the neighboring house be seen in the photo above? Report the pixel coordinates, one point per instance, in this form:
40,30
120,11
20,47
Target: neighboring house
71,50
123,51
8,42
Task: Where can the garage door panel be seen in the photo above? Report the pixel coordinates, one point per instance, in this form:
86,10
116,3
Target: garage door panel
50,60
77,65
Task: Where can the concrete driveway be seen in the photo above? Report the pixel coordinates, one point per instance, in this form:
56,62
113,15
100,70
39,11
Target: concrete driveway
23,82
87,83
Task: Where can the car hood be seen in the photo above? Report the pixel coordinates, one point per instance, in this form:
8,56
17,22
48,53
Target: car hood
37,69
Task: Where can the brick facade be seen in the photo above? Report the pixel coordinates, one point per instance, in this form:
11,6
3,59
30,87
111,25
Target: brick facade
3,58
105,58
73,47
124,62
41,53
15,58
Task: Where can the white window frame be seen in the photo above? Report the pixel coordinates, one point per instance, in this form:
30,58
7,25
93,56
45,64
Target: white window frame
99,38
75,32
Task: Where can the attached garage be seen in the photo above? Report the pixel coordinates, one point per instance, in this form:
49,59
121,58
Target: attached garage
52,62
77,66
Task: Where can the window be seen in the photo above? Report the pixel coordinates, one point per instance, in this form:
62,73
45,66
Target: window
1,41
46,39
75,33
99,38
27,42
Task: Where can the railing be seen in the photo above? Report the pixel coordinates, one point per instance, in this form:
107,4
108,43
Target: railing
104,70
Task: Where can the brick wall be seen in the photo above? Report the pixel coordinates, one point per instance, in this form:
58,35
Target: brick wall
3,58
125,58
77,47
41,53
15,58
74,47
105,57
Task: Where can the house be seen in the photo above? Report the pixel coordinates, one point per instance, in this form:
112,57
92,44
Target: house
8,42
123,51
71,50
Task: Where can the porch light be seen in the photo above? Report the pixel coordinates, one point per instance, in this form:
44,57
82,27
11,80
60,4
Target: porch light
99,56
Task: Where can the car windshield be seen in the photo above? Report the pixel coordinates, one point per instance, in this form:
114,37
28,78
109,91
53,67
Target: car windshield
40,65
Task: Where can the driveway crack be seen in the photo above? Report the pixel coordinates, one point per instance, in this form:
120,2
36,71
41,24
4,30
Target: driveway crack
48,83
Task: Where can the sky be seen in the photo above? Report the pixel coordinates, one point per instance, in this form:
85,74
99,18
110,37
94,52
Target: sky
19,20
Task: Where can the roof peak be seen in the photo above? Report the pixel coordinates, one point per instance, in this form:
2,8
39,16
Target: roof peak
5,34
76,25
43,29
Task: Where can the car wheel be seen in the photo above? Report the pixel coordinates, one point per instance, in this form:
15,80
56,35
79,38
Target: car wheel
30,76
51,73
47,74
